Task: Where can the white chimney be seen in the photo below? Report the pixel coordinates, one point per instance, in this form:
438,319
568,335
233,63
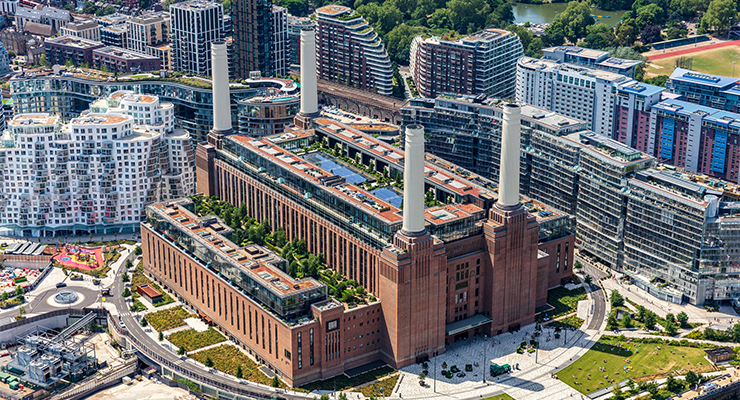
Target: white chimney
413,181
221,96
508,186
309,96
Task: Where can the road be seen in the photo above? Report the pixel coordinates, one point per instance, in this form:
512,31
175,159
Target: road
597,293
173,361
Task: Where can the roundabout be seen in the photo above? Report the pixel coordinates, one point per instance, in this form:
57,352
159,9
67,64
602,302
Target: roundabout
66,298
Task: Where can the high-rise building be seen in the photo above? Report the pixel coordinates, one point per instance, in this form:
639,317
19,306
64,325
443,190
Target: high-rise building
103,169
295,25
194,25
596,59
720,92
280,52
147,31
253,30
4,60
632,113
481,63
114,35
350,52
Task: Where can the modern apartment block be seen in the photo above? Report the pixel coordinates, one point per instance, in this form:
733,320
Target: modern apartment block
94,175
596,59
681,239
89,30
481,63
253,41
4,60
574,90
116,59
632,113
53,17
147,31
271,113
280,46
194,25
348,51
295,25
70,48
114,35
720,92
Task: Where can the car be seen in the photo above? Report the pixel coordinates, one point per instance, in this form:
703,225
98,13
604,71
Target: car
4,244
358,118
123,325
61,285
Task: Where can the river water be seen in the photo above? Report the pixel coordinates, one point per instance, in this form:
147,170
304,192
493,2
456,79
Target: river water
545,13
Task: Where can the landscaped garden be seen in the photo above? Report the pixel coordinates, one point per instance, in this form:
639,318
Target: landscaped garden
138,278
614,359
229,359
563,301
374,389
503,396
164,320
344,382
190,339
302,264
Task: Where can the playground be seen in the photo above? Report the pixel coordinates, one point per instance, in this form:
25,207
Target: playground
12,277
74,256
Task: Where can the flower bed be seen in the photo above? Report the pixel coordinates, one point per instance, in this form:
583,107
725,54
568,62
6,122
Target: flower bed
373,389
167,319
192,340
228,358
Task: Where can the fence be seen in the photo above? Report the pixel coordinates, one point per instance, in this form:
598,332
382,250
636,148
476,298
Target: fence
97,383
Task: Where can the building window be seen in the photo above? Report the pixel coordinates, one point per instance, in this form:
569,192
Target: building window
300,351
310,346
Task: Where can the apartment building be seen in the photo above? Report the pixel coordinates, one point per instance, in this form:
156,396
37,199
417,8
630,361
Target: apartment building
95,174
118,60
70,48
4,60
590,58
194,25
481,63
295,25
53,17
348,51
9,7
720,92
89,30
271,113
574,90
632,113
253,37
114,35
280,51
147,31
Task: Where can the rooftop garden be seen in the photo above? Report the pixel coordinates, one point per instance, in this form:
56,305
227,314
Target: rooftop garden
301,263
170,318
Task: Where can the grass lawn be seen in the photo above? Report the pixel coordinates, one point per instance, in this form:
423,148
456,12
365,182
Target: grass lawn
563,300
373,389
571,322
716,62
191,339
167,319
499,397
644,363
227,358
343,382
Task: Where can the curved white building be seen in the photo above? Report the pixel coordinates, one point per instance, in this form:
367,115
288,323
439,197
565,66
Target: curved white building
350,52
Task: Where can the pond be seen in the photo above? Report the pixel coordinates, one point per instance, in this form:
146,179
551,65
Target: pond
545,13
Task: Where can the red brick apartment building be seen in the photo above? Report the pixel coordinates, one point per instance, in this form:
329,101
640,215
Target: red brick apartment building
474,268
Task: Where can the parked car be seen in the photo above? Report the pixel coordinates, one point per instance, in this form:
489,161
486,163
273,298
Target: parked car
61,285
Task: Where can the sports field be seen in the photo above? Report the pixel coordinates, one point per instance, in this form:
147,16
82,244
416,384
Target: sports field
714,61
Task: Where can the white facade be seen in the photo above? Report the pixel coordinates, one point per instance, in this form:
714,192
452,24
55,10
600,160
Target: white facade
87,30
280,45
95,174
572,90
194,25
8,6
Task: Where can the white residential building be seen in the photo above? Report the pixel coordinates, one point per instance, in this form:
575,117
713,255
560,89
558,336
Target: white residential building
95,174
89,30
579,92
8,7
194,25
280,45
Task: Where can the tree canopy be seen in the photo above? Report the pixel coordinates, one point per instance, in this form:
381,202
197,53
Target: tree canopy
720,15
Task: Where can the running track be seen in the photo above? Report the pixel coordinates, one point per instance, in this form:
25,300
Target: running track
693,50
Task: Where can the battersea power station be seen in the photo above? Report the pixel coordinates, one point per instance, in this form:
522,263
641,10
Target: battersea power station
442,253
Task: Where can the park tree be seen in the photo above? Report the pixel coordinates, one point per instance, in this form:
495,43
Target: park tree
613,5
627,32
441,19
616,299
588,279
682,318
650,34
137,251
611,321
627,321
720,15
208,363
650,14
468,16
129,264
144,322
736,333
4,296
124,277
181,351
42,60
535,48
671,328
299,8
692,378
19,292
575,19
126,293
617,393
239,372
383,17
599,36
275,381
649,320
398,43
688,9
673,384
676,30
160,337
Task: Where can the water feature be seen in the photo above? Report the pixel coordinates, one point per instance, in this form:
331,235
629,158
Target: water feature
335,167
545,13
66,297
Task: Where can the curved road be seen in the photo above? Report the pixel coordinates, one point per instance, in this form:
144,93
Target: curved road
597,293
171,360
